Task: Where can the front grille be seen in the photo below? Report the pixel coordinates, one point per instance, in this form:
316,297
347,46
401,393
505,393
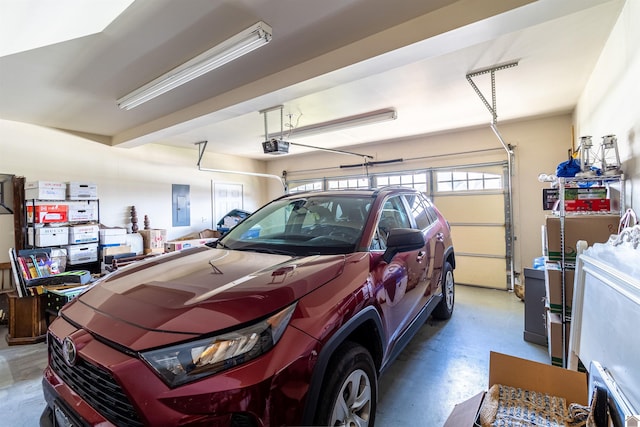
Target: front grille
96,386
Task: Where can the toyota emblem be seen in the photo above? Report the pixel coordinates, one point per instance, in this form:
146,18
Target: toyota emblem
69,351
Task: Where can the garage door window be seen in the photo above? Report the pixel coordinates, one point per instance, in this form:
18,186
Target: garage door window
355,182
448,181
307,186
417,180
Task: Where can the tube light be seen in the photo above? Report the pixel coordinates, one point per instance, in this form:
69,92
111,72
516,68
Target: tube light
242,43
370,117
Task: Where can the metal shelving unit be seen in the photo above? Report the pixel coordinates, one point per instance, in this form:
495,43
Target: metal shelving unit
614,187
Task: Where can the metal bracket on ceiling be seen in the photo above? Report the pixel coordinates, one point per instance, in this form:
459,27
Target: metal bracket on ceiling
507,147
492,108
264,112
266,128
202,146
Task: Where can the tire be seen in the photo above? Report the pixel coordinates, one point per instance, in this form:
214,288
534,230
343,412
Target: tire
444,309
349,391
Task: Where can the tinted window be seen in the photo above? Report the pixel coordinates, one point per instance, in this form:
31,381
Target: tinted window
393,215
419,210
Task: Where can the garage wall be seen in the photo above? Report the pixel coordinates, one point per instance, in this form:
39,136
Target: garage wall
540,144
610,103
139,176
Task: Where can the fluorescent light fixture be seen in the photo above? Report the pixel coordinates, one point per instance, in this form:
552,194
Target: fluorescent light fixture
368,118
242,43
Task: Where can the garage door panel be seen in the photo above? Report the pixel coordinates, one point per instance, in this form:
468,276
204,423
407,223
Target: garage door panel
476,208
479,239
485,272
478,225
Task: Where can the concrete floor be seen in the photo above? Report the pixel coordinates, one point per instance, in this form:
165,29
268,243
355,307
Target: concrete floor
446,363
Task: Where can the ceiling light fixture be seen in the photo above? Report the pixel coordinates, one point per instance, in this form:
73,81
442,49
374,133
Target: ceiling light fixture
368,118
242,43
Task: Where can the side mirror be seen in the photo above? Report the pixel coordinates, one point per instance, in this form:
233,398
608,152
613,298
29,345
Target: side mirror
402,240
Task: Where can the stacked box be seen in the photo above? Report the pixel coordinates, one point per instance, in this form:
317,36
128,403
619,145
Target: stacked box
554,338
82,191
83,233
83,211
46,190
588,205
48,213
82,253
113,236
591,228
553,284
48,236
153,240
178,245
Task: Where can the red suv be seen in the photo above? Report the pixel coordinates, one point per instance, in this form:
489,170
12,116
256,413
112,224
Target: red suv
288,319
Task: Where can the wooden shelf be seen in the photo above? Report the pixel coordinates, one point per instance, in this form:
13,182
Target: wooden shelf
27,323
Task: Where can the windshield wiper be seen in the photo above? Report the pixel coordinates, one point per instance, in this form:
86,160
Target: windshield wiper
267,250
219,243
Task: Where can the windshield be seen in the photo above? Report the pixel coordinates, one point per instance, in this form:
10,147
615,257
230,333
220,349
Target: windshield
303,226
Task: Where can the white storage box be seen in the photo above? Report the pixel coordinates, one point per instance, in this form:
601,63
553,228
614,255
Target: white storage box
48,236
45,190
83,211
82,191
113,236
83,253
83,234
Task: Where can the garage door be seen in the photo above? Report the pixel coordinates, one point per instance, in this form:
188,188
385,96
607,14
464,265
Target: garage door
473,198
474,202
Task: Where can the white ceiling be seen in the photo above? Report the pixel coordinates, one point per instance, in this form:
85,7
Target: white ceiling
328,59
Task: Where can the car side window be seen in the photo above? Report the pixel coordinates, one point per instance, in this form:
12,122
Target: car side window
393,215
419,210
431,212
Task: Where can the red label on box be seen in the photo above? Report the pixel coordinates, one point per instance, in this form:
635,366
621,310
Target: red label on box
48,213
587,205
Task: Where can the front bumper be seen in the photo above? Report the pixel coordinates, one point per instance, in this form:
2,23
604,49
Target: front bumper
269,390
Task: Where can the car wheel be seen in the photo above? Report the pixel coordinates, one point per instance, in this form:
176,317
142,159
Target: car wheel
444,309
349,392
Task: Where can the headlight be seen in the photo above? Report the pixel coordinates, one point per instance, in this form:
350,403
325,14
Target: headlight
193,360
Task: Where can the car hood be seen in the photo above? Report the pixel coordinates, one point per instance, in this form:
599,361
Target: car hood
180,295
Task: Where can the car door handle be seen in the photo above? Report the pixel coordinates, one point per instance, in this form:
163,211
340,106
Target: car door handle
420,256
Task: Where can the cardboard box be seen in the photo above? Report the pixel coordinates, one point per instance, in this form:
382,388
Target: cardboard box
113,236
83,211
575,199
114,250
592,228
156,251
48,213
83,253
525,374
178,245
48,236
82,191
553,285
154,239
46,190
585,193
83,234
554,338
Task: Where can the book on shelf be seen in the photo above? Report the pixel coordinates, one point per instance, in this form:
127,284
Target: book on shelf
35,268
19,276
